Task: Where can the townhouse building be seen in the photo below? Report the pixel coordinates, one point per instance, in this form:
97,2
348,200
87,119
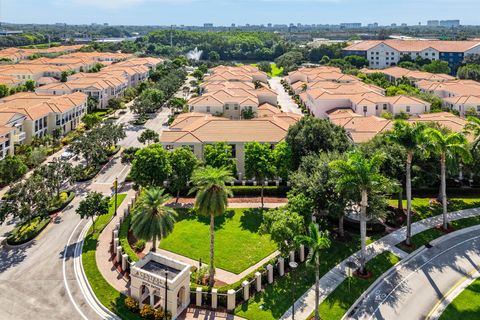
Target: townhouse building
244,73
394,74
11,132
386,53
196,130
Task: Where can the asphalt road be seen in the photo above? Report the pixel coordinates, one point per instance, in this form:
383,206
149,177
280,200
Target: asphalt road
284,100
416,285
38,281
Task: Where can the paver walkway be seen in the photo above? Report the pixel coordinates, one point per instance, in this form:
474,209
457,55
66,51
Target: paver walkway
116,280
305,305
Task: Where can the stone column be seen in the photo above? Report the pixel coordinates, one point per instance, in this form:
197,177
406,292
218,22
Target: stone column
258,281
120,219
246,290
281,266
302,253
198,297
119,254
115,245
117,226
152,299
269,273
129,205
125,212
277,183
214,298
115,234
230,299
254,182
292,256
124,261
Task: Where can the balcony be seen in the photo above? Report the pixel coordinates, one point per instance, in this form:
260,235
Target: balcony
19,138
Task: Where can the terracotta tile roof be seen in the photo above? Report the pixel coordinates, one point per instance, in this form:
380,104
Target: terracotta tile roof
415,45
415,75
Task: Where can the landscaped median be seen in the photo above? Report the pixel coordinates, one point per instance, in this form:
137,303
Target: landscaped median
466,305
106,294
28,230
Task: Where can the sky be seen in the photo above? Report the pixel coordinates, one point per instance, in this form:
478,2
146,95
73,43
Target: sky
240,12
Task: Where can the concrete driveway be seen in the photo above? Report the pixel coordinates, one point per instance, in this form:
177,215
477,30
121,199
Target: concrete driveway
284,100
413,289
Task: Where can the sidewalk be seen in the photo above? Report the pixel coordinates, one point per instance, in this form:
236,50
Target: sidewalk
305,305
116,280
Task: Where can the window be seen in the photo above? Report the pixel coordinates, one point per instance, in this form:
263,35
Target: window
408,108
384,106
208,109
234,150
226,107
478,108
235,108
365,108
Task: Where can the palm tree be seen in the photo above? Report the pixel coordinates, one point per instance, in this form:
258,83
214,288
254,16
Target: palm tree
211,200
316,242
410,138
446,146
473,126
151,218
362,176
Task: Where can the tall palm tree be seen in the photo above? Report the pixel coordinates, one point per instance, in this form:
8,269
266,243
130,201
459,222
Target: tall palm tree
446,146
362,176
316,242
473,127
151,219
409,136
211,200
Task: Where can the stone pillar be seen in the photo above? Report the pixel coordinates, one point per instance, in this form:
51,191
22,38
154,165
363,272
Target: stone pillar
198,297
292,256
115,234
125,212
152,300
302,253
119,254
269,273
243,182
281,266
254,183
129,205
115,245
277,183
117,226
214,298
120,219
230,299
258,281
124,261
246,290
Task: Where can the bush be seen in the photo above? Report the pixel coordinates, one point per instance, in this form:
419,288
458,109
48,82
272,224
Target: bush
254,191
131,304
27,230
83,174
147,312
59,203
139,245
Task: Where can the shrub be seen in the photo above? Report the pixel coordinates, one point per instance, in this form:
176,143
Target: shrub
27,230
131,304
159,314
139,245
147,312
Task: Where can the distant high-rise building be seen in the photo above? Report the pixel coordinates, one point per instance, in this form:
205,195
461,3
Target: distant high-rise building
208,25
269,25
105,24
449,23
351,25
393,25
233,25
404,24
433,23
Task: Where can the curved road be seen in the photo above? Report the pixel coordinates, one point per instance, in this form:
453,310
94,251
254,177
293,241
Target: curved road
40,280
414,288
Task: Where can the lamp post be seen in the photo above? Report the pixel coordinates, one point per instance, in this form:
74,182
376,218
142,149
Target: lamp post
293,265
115,185
350,266
166,292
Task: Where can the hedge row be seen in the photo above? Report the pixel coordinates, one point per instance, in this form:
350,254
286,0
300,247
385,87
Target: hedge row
71,195
28,230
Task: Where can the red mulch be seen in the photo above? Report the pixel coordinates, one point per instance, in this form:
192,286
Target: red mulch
238,200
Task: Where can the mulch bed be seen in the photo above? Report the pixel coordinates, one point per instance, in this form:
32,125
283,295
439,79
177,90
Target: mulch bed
238,200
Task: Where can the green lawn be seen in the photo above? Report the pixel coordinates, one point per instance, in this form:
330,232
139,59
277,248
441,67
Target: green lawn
107,295
272,303
238,244
465,306
343,297
276,71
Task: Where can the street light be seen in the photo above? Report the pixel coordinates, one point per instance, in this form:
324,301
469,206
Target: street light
350,266
293,265
115,186
166,289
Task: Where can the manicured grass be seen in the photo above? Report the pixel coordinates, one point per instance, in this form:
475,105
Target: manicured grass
423,209
108,296
276,71
238,243
465,306
272,303
344,296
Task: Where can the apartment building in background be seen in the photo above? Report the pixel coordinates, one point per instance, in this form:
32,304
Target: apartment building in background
386,53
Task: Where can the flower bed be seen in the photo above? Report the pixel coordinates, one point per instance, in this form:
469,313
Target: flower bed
61,202
28,230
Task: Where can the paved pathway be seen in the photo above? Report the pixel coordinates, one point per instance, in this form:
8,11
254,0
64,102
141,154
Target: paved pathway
414,288
305,305
284,99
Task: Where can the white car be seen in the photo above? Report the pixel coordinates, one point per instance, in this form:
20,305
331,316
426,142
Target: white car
66,155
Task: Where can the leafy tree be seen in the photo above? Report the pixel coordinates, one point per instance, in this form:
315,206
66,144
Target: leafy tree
4,91
92,120
177,103
92,103
151,218
148,136
89,146
148,102
64,76
360,175
115,104
472,59
357,61
410,65
184,162
289,61
213,56
282,156
30,85
128,154
469,71
198,74
248,113
446,146
58,172
219,155
283,226
94,204
259,163
473,127
316,241
312,135
264,66
151,166
410,137
437,66
12,168
211,200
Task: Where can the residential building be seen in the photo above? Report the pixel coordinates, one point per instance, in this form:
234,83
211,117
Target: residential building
244,73
11,132
394,74
195,130
385,53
